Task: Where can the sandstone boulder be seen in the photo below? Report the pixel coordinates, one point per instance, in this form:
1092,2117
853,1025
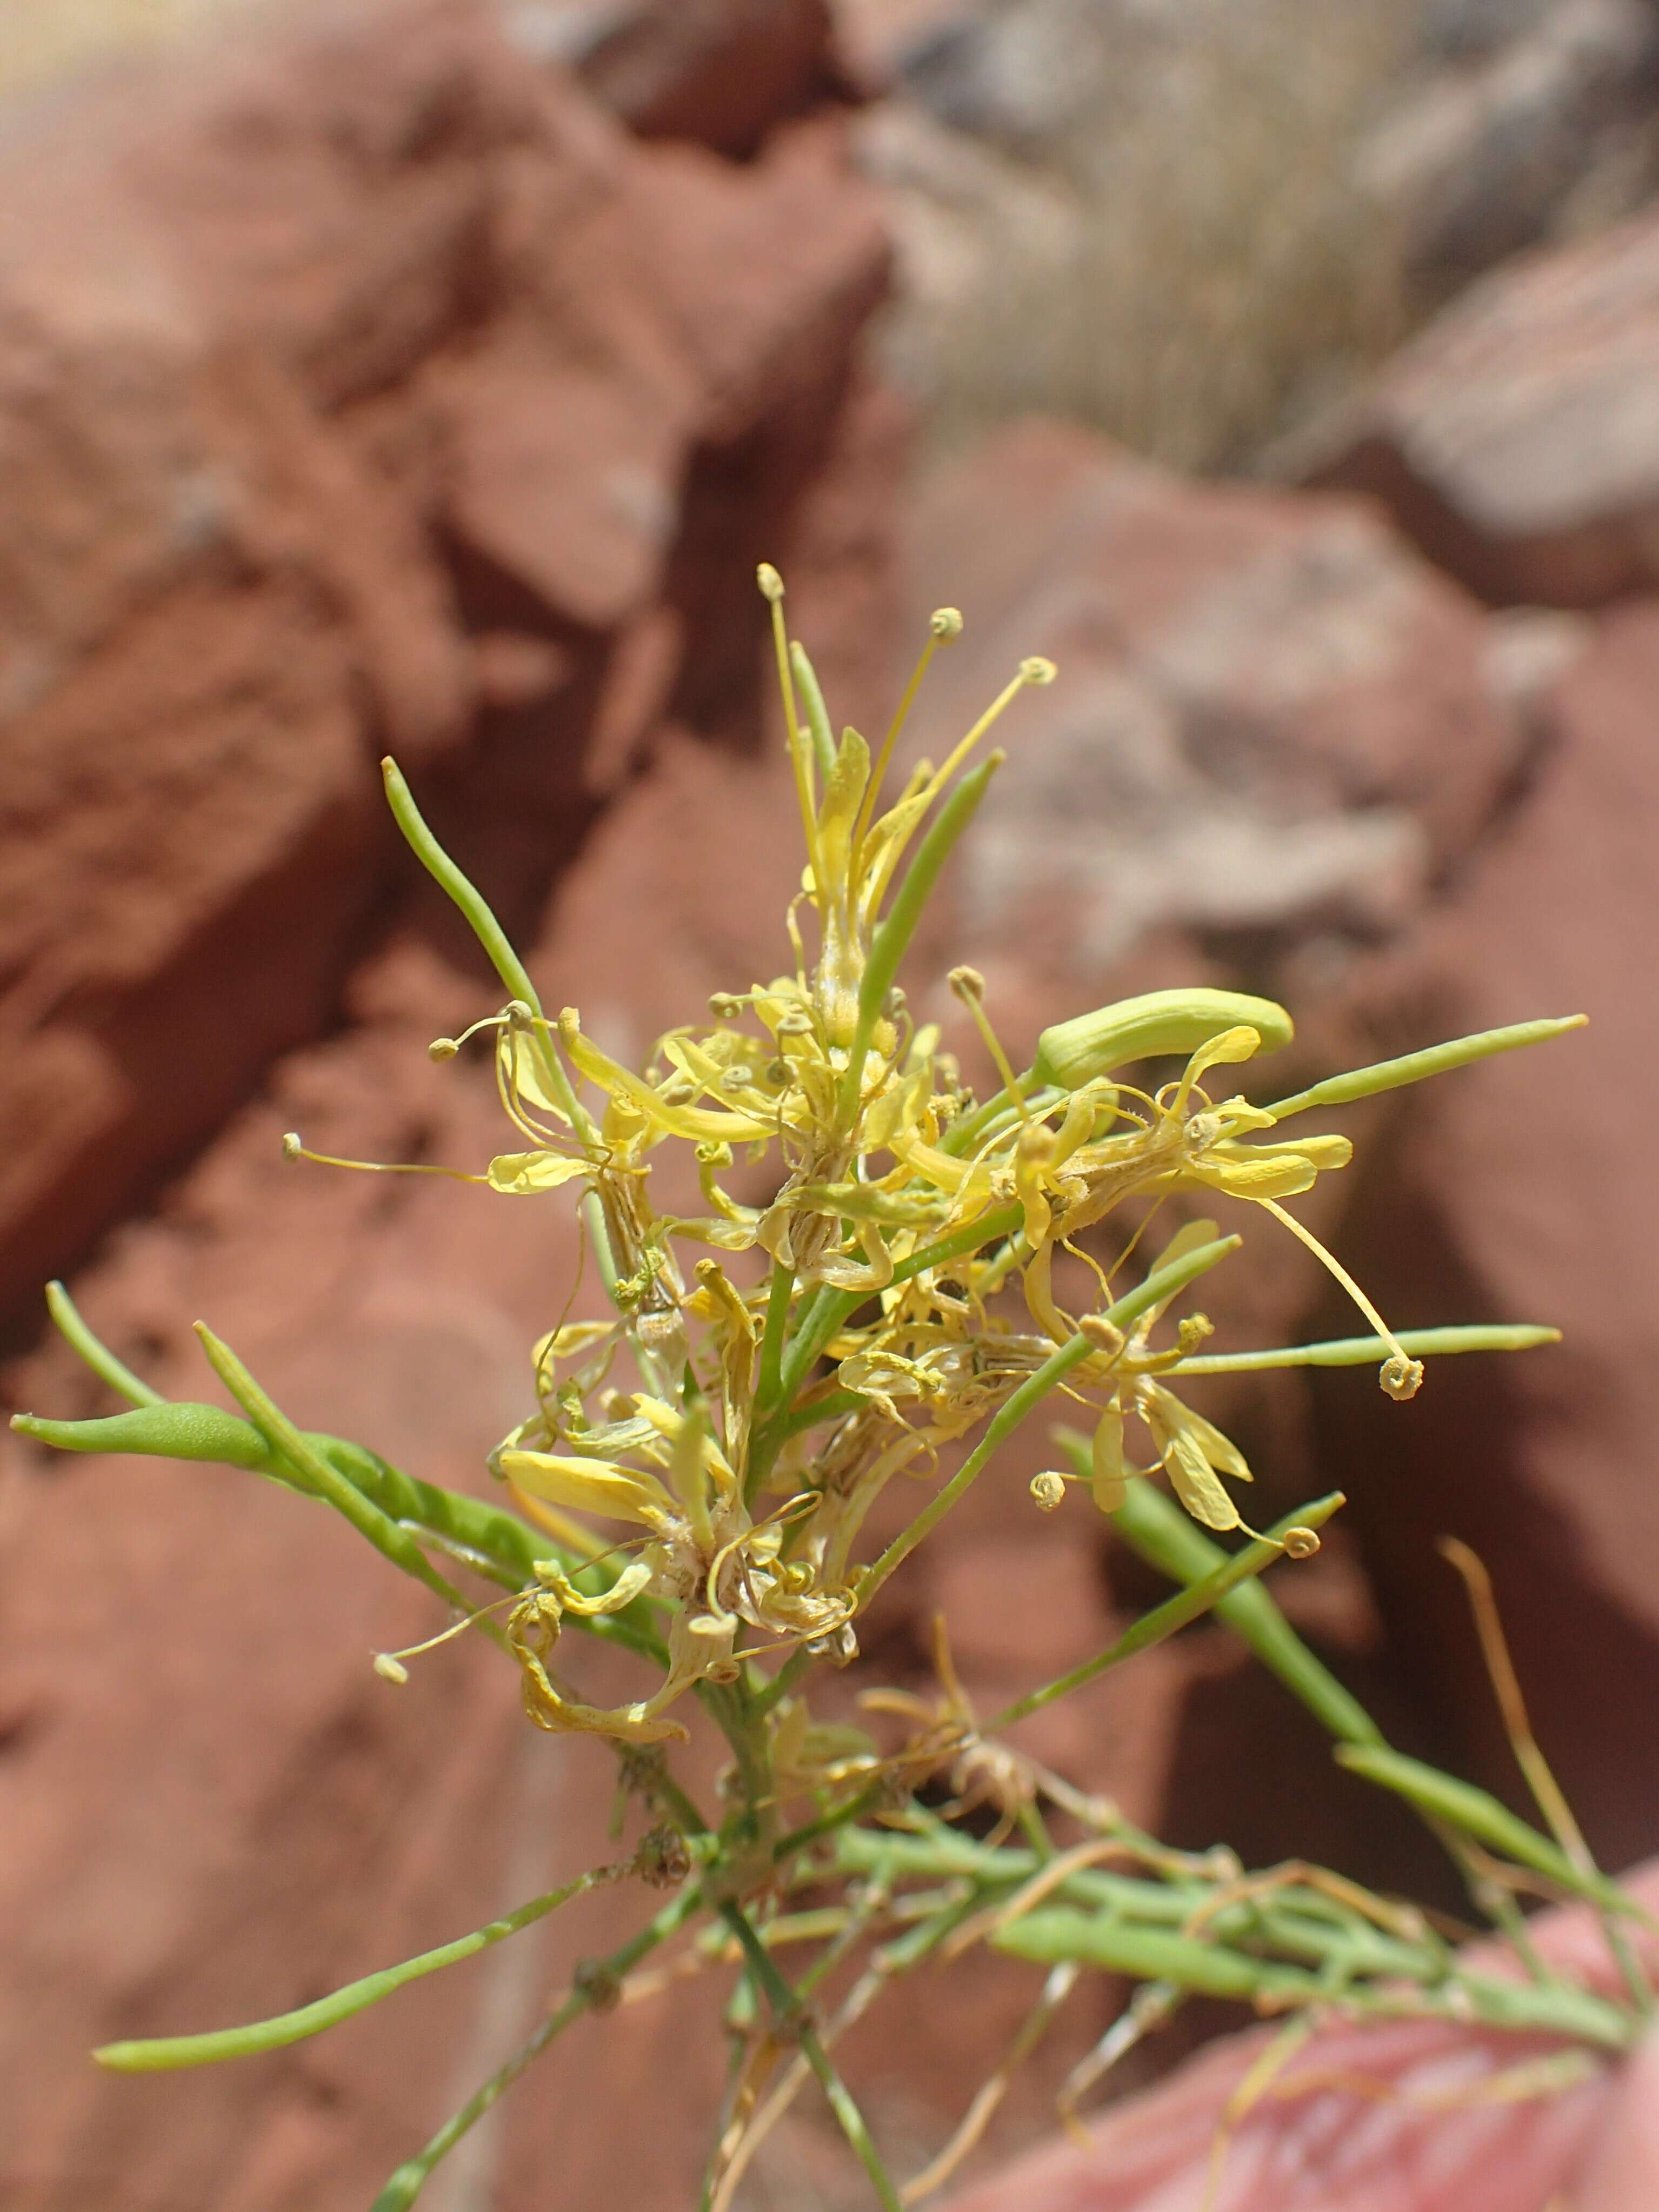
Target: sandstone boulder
1521,1190
1277,729
1517,438
721,71
1550,131
360,386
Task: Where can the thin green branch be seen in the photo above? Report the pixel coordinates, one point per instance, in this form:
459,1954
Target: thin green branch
1476,1812
1157,1287
1363,1351
1154,1526
412,2176
1418,1067
383,1533
515,976
98,1357
163,2054
796,2024
1163,1620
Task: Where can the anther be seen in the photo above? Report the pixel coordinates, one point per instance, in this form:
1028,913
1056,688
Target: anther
1301,1543
390,1669
292,1148
447,1048
770,582
724,1006
967,983
1038,670
1047,1491
1105,1335
1192,1332
1400,1377
946,624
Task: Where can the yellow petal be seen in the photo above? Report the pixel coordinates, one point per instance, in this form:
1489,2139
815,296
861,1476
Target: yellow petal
1197,1484
588,1485
1110,1483
898,1108
1221,1451
523,1173
622,1592
1242,1176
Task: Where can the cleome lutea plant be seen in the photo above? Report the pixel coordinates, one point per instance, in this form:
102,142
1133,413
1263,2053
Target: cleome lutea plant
695,1473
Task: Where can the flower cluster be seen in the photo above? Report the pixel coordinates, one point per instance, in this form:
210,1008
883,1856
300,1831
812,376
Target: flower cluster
908,1241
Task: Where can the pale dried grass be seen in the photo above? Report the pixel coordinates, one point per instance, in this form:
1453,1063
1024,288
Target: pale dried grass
1210,272
42,40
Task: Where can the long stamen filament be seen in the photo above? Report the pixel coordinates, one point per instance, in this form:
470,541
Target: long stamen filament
294,1150
1401,1375
388,1665
944,627
446,1048
1033,672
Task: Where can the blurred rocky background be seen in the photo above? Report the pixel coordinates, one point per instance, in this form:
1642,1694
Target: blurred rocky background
430,375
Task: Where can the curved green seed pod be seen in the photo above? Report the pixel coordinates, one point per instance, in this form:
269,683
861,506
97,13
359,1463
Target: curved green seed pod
167,1431
1074,1052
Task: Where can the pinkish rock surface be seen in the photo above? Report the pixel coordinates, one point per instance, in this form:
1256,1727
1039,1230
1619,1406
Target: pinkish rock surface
1517,439
1275,723
1523,1191
341,371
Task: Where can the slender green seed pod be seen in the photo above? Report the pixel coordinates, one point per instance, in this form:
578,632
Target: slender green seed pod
1416,1066
165,1431
1211,1969
1483,1816
817,714
1074,1052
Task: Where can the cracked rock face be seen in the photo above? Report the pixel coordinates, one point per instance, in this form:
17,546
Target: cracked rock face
361,387
1276,726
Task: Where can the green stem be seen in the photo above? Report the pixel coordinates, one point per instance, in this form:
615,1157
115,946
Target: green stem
411,2176
1480,1815
793,2017
98,1357
1416,1066
773,1693
1157,1287
162,2054
1154,1526
1176,1612
516,978
1362,1350
280,1433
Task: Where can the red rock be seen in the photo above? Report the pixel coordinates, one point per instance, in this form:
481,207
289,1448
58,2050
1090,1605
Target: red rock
1516,439
330,353
1271,717
1520,1190
721,71
1473,161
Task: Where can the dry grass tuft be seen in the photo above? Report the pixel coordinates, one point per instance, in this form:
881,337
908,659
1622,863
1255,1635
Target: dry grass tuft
1188,263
